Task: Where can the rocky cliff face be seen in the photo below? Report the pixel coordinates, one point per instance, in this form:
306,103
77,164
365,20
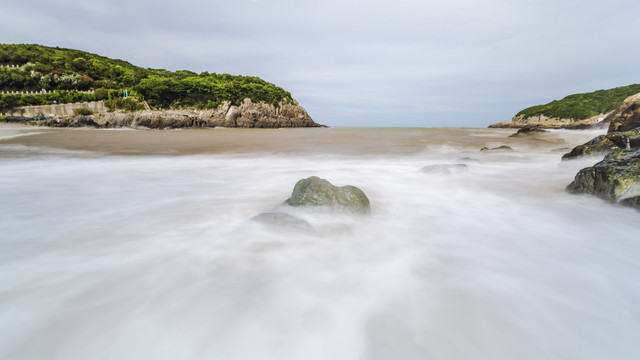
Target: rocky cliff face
542,121
247,115
626,117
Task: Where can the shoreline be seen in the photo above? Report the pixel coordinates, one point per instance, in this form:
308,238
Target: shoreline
290,141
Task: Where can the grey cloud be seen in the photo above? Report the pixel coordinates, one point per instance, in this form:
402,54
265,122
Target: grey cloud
352,62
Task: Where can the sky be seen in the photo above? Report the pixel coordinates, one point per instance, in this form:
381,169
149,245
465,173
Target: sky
363,63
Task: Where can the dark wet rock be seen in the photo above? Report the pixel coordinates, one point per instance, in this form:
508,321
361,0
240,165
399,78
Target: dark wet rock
604,144
632,201
283,220
528,130
616,178
318,192
468,159
499,148
445,169
626,117
68,121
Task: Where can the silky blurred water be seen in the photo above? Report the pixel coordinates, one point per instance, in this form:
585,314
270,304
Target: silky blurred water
105,255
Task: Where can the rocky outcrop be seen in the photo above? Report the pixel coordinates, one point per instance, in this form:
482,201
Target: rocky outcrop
623,133
615,179
604,144
499,148
68,121
542,121
318,192
528,130
626,117
246,115
260,115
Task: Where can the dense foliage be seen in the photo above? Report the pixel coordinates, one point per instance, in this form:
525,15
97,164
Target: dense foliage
66,71
583,106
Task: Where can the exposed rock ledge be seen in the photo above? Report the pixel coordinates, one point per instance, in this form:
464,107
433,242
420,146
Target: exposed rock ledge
247,115
542,121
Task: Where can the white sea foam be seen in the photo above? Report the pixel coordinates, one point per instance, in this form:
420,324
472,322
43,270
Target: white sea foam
153,257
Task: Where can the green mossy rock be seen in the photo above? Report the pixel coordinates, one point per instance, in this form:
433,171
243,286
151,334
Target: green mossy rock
616,178
315,191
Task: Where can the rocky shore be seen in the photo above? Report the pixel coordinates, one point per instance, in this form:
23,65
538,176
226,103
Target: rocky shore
246,115
617,177
542,121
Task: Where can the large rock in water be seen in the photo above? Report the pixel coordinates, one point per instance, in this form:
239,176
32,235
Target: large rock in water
616,178
315,191
606,143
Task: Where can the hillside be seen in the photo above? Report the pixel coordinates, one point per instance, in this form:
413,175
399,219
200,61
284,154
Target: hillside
574,110
68,75
583,106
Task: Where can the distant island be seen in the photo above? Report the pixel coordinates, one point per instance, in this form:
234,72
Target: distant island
574,111
32,77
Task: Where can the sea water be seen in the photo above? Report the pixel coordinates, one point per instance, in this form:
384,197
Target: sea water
139,245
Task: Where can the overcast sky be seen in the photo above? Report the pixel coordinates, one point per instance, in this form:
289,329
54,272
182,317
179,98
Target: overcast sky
363,63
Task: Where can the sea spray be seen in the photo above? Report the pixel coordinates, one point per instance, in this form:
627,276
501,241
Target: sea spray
108,256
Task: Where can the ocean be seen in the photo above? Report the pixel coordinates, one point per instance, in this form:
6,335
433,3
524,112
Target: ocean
138,244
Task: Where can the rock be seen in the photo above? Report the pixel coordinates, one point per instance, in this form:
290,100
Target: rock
616,178
626,117
604,144
528,130
445,169
502,148
247,115
68,121
283,220
546,122
315,191
468,159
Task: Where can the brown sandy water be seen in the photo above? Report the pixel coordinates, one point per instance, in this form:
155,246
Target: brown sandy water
123,244
350,141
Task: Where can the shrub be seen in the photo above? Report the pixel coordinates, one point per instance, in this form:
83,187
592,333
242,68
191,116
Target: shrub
82,111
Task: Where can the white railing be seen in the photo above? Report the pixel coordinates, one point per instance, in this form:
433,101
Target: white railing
39,92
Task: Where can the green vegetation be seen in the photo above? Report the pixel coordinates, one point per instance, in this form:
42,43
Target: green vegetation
66,72
82,111
583,106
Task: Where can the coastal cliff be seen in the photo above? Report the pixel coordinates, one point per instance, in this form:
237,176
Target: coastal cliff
546,122
246,115
577,111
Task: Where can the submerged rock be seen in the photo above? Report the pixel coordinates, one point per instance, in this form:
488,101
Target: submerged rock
283,220
445,169
499,148
616,178
528,130
606,143
315,191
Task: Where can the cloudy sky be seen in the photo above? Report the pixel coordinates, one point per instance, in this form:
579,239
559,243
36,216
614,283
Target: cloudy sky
363,63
